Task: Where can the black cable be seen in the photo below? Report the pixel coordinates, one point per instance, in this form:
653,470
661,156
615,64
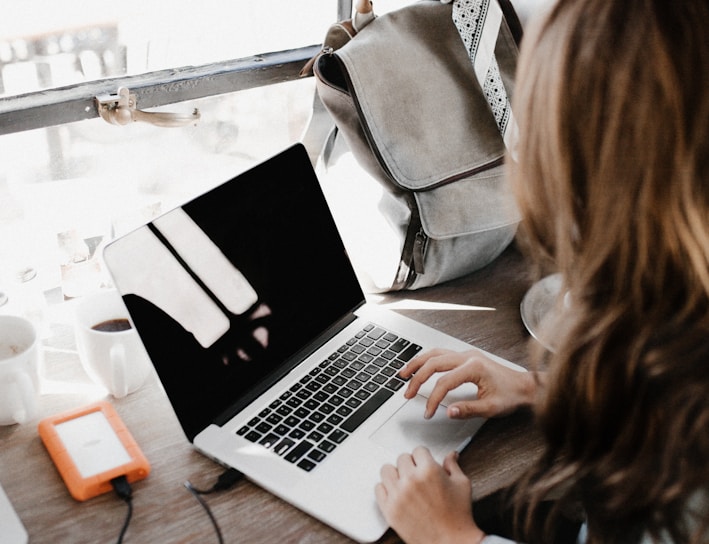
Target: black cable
124,491
226,479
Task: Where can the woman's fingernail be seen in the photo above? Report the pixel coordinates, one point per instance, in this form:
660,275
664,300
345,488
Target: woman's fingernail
454,411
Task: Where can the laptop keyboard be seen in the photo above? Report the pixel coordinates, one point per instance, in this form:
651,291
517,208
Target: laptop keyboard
316,414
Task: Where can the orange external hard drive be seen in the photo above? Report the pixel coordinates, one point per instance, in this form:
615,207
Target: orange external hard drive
90,447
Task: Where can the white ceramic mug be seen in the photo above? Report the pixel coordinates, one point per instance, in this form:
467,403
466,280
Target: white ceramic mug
110,349
19,370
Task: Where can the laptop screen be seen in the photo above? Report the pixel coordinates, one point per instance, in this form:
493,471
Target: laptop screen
226,289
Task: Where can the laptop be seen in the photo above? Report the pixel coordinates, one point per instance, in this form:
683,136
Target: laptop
13,531
272,359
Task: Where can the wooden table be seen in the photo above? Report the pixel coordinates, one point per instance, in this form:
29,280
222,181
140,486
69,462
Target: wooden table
165,512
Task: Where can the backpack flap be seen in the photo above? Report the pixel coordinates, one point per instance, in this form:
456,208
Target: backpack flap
418,97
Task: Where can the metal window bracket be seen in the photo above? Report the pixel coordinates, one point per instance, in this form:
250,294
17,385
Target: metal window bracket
121,109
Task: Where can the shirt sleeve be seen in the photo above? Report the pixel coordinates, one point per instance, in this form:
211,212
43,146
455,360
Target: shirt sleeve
492,539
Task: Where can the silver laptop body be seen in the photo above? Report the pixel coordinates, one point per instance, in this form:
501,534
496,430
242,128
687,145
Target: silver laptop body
272,359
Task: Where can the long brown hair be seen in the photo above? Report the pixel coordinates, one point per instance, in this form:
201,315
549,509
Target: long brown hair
612,180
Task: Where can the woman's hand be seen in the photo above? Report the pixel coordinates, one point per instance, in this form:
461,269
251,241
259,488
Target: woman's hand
426,502
501,390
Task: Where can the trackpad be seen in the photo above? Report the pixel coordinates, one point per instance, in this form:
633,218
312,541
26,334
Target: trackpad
406,429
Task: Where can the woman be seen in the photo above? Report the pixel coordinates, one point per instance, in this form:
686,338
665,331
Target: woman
612,179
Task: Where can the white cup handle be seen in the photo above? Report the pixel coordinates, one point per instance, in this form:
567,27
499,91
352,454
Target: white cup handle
119,376
22,398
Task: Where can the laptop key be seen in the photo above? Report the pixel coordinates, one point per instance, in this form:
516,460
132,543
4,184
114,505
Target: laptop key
395,384
371,387
291,421
388,371
281,430
344,411
337,436
366,341
294,402
316,436
363,394
366,410
345,392
380,379
313,386
399,345
409,352
283,446
365,358
304,394
269,440
380,361
329,388
263,427
296,453
307,465
274,419
325,427
321,396
307,425
375,351
391,337
316,455
335,419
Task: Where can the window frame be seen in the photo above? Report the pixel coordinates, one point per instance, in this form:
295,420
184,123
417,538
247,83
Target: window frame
51,107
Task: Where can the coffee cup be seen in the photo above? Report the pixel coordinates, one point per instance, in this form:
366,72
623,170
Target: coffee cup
109,347
19,370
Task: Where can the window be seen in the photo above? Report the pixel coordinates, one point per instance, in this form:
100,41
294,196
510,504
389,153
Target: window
69,181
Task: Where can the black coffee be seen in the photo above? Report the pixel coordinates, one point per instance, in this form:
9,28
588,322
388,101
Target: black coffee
112,325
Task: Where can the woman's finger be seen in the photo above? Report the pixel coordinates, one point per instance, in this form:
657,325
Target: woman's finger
420,360
435,361
446,384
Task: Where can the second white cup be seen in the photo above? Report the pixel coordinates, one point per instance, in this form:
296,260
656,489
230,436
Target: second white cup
110,349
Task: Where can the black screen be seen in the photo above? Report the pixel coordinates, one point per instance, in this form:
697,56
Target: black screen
273,224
